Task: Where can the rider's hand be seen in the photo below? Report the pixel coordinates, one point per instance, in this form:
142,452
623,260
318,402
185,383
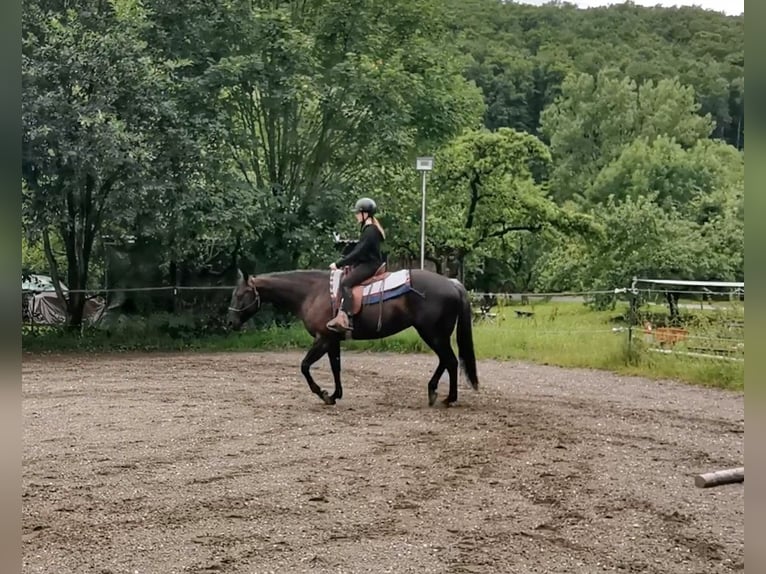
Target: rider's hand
333,266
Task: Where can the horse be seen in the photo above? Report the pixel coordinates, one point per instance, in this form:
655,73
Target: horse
385,304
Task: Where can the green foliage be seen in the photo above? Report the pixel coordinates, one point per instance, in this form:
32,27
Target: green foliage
678,176
646,240
642,238
490,185
596,118
520,55
721,217
91,102
33,257
310,96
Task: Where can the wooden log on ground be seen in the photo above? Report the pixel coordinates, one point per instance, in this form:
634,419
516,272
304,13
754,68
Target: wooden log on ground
719,477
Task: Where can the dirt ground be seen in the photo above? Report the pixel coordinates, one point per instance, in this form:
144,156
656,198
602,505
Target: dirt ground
227,463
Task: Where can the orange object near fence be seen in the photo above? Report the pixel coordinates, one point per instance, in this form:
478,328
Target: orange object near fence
666,335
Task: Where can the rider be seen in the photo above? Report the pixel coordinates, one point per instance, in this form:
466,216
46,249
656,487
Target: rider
365,259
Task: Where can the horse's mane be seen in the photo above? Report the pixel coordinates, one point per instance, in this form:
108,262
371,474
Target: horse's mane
307,273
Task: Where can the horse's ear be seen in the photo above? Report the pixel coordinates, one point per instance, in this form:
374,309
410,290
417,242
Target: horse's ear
241,276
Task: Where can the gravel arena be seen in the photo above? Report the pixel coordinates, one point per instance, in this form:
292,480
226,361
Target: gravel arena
226,462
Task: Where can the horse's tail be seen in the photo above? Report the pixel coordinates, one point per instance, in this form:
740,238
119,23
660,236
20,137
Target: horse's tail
465,348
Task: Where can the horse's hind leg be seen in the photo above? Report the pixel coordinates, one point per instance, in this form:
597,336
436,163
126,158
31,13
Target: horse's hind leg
317,350
433,384
438,346
449,360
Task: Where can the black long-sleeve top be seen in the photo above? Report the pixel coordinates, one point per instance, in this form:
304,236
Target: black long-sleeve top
367,250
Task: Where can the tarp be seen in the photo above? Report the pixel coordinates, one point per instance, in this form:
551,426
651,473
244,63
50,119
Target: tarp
47,309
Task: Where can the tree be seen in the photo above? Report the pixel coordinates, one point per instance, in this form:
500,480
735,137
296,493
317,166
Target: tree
90,100
316,91
675,175
520,54
642,238
596,118
490,185
721,217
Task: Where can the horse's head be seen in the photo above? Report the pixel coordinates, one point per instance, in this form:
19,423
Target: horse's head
245,301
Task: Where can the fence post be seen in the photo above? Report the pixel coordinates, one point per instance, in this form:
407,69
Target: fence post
632,312
32,314
177,284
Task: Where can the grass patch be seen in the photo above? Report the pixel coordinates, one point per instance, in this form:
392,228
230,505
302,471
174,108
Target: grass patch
561,334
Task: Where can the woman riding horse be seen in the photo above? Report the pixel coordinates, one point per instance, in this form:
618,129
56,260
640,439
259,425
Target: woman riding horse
365,259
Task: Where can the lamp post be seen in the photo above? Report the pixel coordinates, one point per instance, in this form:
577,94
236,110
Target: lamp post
423,165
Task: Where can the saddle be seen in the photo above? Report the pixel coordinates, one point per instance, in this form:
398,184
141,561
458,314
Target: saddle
382,286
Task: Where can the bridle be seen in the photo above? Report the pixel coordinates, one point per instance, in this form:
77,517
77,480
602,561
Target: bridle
256,302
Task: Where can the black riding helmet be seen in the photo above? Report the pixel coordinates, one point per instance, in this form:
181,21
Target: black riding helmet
365,204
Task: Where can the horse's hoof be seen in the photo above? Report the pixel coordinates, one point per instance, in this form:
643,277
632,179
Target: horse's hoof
431,398
328,400
448,402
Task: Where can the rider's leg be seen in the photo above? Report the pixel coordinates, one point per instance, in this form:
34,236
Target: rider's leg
344,319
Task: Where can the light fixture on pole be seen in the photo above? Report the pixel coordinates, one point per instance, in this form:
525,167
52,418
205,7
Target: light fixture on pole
423,165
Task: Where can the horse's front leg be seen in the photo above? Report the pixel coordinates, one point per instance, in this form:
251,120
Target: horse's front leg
333,353
317,350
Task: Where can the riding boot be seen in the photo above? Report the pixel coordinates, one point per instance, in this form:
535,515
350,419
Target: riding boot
343,321
347,306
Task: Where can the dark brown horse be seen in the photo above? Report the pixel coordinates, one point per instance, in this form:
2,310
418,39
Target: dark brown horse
431,303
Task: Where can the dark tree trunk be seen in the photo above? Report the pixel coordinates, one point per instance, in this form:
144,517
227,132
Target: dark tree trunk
672,299
76,307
